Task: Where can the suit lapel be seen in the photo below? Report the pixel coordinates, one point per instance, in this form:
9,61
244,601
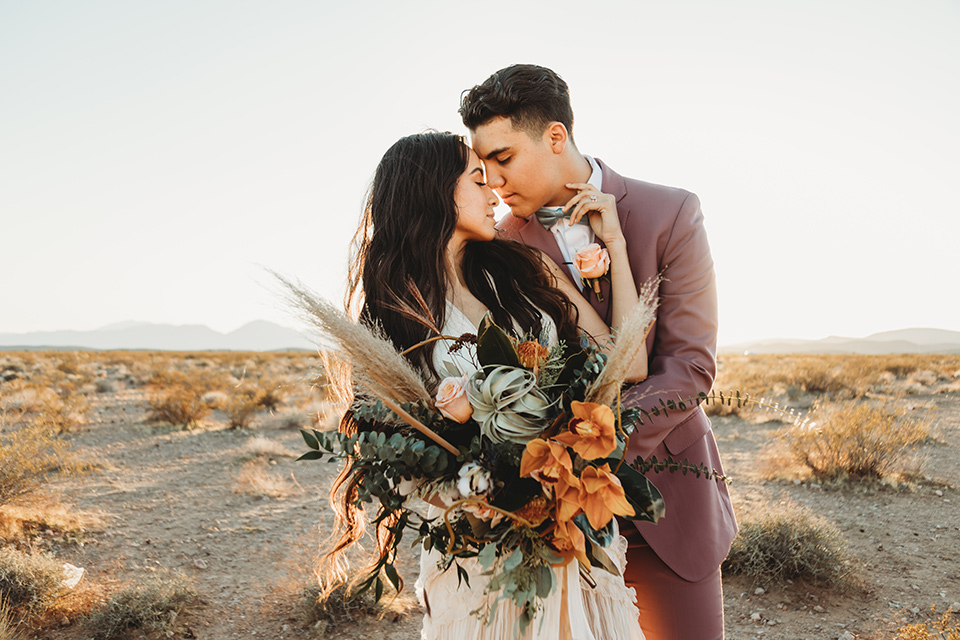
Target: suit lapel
533,234
613,184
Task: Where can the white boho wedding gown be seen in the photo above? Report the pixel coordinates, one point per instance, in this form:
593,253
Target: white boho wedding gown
572,611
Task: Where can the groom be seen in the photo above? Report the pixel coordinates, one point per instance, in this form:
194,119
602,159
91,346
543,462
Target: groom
521,125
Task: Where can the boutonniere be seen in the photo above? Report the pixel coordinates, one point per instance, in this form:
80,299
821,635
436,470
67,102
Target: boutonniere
593,263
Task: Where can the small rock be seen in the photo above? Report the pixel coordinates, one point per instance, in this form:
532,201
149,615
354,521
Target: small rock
939,493
772,623
956,607
819,609
915,610
755,617
846,636
64,621
759,591
200,564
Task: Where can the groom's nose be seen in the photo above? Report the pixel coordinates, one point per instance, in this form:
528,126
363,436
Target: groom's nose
494,179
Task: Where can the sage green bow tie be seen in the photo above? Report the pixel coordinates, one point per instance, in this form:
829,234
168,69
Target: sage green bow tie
549,216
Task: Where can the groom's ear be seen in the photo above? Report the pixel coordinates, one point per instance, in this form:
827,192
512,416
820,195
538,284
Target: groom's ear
556,137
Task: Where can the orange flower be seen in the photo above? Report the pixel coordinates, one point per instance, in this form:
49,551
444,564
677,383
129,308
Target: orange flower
548,462
569,542
568,500
601,496
592,431
531,354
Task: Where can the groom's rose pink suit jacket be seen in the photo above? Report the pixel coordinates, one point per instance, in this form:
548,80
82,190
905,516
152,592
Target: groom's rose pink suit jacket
663,227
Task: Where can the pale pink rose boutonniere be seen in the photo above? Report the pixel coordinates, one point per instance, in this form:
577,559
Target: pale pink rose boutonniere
592,263
452,399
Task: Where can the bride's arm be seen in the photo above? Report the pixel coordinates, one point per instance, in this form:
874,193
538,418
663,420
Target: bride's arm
590,321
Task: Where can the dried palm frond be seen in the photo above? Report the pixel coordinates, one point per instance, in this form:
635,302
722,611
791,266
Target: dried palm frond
630,343
375,364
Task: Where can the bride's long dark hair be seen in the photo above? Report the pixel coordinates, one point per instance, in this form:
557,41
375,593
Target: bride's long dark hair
409,218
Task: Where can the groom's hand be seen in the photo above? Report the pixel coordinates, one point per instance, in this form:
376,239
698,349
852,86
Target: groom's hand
601,209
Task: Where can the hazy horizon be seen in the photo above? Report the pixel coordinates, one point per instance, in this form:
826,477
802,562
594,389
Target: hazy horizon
157,158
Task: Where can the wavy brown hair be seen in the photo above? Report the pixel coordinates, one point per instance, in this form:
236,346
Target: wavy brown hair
409,218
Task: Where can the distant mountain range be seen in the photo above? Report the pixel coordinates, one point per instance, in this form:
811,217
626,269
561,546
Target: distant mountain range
258,335
261,335
902,341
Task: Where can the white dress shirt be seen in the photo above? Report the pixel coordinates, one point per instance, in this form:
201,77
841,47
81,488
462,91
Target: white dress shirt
572,238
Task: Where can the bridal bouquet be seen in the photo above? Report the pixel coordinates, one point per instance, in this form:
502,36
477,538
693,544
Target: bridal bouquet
526,453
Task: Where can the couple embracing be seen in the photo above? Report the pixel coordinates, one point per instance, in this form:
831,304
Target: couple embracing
429,220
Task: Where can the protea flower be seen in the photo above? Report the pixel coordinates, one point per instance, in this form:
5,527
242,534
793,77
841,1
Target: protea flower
507,404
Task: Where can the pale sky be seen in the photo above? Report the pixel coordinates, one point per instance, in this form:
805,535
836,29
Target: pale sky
156,156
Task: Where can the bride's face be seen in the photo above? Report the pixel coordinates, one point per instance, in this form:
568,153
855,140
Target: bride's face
475,203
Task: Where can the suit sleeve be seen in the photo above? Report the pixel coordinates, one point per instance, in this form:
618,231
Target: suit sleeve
683,353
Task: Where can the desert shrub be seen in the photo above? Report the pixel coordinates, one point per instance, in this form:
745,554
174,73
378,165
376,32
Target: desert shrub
30,582
272,393
855,439
28,456
946,627
241,406
178,405
787,542
153,606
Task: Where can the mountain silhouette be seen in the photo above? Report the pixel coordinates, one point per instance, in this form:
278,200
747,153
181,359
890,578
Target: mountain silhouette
258,335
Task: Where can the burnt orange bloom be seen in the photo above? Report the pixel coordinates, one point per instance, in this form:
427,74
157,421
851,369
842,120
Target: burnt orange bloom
531,354
602,496
548,462
569,542
568,500
593,430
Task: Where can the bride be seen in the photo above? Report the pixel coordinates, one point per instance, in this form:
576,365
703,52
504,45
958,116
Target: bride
429,219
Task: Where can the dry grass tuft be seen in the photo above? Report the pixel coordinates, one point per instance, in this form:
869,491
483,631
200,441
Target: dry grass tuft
338,609
8,625
263,447
31,454
788,542
30,582
154,606
21,521
857,440
255,479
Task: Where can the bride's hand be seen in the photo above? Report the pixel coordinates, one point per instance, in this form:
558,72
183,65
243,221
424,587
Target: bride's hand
601,209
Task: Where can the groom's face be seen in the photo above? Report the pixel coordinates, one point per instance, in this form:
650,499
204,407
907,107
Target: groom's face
521,168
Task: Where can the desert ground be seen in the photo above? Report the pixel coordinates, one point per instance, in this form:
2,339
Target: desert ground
227,512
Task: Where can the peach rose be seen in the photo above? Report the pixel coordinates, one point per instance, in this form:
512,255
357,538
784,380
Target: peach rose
452,399
592,261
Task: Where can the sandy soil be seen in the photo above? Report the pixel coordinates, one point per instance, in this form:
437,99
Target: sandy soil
168,501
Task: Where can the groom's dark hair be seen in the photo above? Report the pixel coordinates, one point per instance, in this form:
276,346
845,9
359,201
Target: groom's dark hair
531,96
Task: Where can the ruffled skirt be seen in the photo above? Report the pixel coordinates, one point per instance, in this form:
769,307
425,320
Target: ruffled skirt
572,611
